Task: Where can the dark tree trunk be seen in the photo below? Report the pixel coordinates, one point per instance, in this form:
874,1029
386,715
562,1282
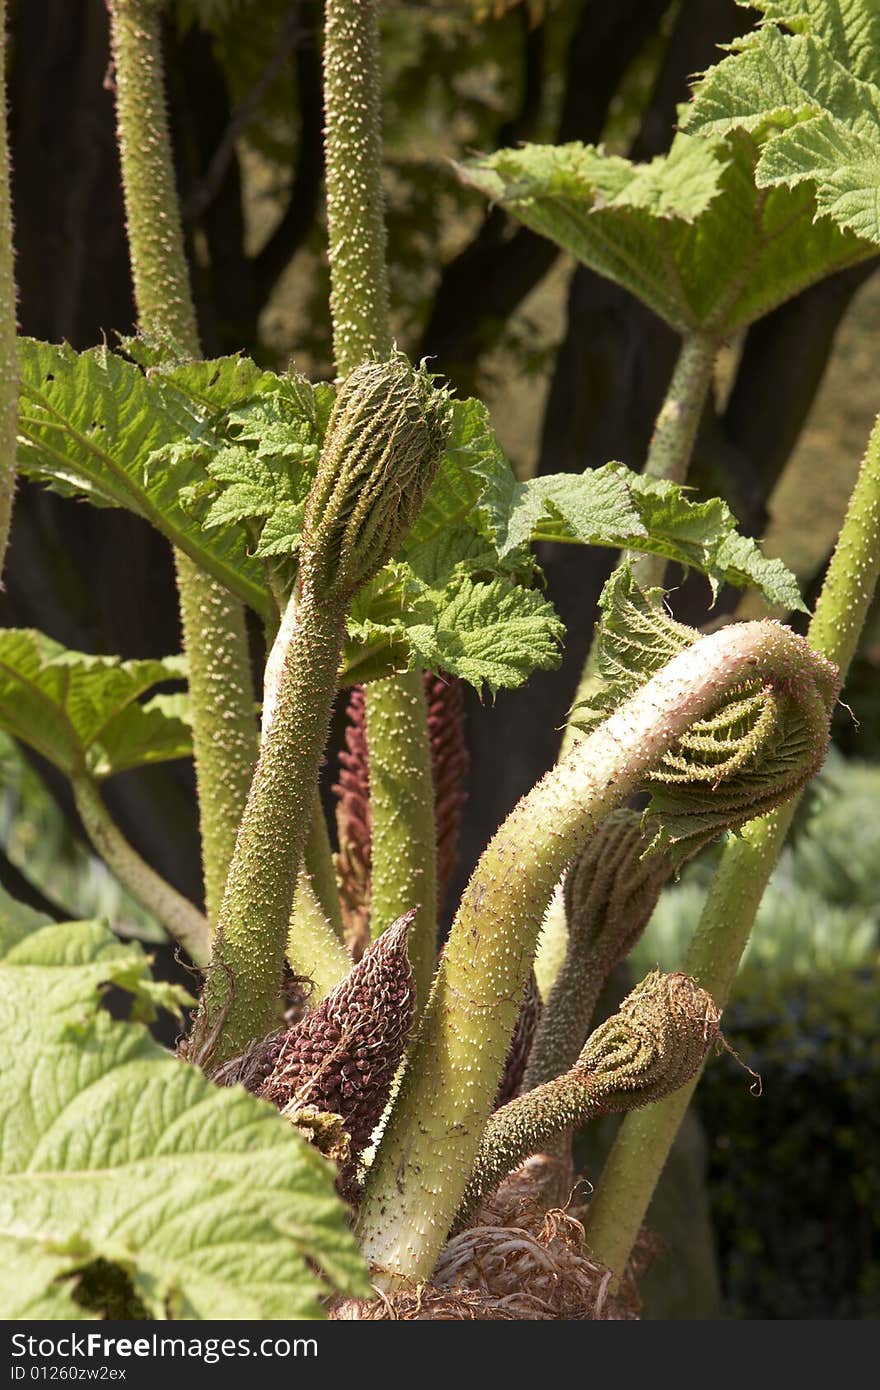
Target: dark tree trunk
96,581
609,378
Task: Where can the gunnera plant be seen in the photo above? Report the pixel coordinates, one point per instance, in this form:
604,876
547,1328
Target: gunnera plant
377,533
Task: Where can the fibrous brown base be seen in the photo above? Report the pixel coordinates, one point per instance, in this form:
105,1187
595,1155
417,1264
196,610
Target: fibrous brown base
517,1260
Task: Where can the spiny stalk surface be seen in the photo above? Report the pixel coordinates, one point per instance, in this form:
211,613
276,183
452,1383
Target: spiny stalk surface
655,1043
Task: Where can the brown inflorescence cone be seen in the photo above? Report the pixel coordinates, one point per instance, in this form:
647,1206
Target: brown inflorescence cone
354,825
343,1056
521,1043
449,769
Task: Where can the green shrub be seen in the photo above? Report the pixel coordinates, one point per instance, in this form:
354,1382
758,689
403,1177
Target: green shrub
794,1175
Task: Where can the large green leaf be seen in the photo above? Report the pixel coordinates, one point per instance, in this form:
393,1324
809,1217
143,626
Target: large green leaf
126,1170
612,506
93,425
36,1284
220,457
490,631
812,98
83,712
688,234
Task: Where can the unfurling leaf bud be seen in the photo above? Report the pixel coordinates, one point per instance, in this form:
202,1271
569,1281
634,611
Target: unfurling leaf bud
657,1041
383,446
611,890
342,1057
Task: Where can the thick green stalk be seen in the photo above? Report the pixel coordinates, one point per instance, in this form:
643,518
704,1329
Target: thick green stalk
382,448
214,636
404,855
242,990
313,949
184,921
223,721
8,320
355,200
644,1140
675,429
418,1177
402,877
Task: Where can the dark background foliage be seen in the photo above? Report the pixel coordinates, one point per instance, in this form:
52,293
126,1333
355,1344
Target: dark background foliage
794,1177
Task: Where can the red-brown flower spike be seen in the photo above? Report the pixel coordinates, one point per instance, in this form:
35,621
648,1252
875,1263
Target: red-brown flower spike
521,1043
342,1057
449,769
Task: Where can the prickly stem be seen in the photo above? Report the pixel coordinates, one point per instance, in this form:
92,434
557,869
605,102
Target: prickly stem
355,199
417,1179
643,1141
361,329
184,921
252,931
402,817
214,636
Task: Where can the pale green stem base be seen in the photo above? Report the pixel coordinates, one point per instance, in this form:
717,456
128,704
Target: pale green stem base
323,889
643,1142
184,921
318,854
241,995
403,848
430,1143
313,950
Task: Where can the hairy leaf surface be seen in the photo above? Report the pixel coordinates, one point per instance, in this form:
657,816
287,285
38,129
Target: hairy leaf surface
93,425
811,97
84,713
118,1157
689,234
220,456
